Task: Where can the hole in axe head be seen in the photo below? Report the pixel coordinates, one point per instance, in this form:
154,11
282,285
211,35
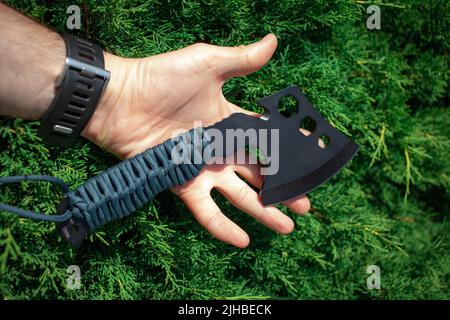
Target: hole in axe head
307,126
323,141
288,106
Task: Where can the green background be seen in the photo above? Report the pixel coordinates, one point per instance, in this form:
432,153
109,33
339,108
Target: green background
386,89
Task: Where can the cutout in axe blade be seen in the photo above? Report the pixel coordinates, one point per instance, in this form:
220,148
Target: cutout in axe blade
303,164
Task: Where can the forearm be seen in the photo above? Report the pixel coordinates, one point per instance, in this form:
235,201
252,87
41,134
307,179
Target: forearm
31,58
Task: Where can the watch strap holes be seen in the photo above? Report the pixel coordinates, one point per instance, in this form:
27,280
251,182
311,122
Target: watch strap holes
83,85
81,95
86,56
72,114
68,122
77,106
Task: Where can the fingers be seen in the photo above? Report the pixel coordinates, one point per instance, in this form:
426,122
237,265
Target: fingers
196,195
208,214
251,172
246,199
242,60
300,204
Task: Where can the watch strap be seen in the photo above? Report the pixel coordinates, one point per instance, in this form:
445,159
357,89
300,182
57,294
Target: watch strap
79,90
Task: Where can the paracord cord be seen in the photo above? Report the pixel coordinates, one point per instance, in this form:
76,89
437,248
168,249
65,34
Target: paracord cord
30,214
129,185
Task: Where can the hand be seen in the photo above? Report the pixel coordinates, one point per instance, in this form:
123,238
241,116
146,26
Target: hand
147,99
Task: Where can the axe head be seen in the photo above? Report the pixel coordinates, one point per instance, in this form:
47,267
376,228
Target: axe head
302,163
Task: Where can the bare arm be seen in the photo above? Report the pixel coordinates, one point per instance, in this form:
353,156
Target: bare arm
32,57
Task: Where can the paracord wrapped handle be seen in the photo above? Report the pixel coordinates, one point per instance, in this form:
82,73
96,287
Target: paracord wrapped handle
131,184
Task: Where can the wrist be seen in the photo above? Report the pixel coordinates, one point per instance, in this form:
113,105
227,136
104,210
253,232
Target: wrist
98,128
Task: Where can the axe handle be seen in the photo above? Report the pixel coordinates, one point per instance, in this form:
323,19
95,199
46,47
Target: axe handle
128,186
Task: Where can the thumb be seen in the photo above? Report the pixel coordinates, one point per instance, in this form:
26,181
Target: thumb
242,60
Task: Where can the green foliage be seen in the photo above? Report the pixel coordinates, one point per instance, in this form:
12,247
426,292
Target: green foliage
387,89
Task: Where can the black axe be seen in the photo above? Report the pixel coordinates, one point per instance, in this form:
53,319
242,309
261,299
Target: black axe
124,188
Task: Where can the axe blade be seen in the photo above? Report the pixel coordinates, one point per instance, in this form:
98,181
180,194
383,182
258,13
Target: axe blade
302,163
297,180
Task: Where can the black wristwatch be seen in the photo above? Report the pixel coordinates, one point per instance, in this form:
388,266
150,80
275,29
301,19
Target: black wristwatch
79,89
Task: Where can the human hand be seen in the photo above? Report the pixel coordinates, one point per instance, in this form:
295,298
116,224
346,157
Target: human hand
148,99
